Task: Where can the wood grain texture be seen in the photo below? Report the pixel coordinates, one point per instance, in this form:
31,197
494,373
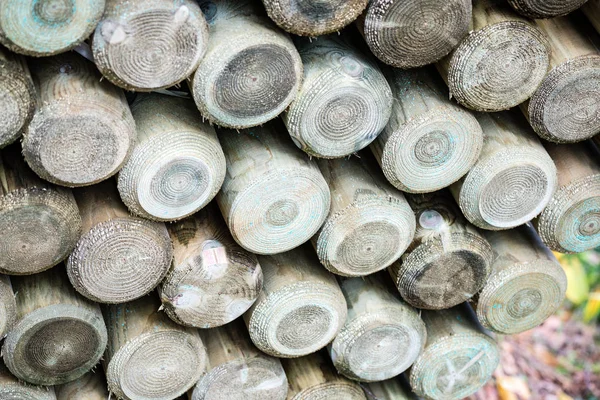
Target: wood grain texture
429,142
83,131
119,258
448,261
213,280
344,101
391,389
369,225
546,8
8,306
145,45
251,71
59,335
274,197
91,386
39,222
148,356
13,389
301,308
177,165
513,179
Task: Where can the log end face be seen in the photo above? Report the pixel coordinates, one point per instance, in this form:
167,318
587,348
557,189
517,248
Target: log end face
16,105
19,391
545,8
340,390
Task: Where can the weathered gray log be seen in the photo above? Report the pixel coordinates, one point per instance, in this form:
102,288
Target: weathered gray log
429,142
91,386
369,225
513,179
251,71
413,33
344,101
526,286
8,306
565,108
571,221
274,197
39,222
177,166
237,370
46,27
118,258
391,389
546,8
448,261
458,358
83,131
382,335
59,335
502,61
301,308
149,356
213,280
13,389
145,45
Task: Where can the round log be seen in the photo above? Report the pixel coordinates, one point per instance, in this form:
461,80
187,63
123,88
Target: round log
8,306
251,71
413,33
39,222
546,8
274,197
59,335
91,386
429,142
526,286
177,165
145,45
18,97
237,370
370,224
513,179
343,103
301,307
571,221
118,258
213,280
148,356
448,261
13,389
502,61
46,27
83,132
458,358
391,389
382,335
566,107
313,378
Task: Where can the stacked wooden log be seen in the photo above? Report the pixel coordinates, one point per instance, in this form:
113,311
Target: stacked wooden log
335,216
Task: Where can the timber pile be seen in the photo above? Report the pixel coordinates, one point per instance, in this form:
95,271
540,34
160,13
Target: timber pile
228,235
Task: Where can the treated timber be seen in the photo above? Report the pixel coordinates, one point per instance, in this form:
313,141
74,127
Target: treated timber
13,389
391,389
8,306
91,386
546,8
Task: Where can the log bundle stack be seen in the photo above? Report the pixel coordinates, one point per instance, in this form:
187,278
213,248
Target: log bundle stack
285,217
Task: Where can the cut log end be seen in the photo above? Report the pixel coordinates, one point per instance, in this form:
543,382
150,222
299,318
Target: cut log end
545,8
17,103
340,390
499,66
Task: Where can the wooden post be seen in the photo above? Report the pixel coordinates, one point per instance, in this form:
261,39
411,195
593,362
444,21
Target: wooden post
565,108
513,179
91,386
59,335
148,355
18,97
274,197
213,280
344,101
118,258
458,358
83,132
571,221
313,18
177,166
251,71
237,370
145,45
11,388
301,308
313,377
370,224
502,61
47,27
8,306
448,261
382,335
526,286
546,8
413,33
429,142
391,389
39,222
